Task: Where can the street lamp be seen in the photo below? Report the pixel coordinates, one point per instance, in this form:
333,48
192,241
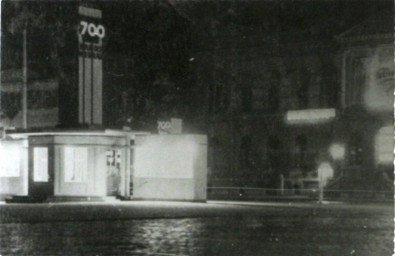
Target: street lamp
325,172
337,151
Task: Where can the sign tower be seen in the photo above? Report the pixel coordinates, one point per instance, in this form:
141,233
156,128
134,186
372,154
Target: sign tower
90,67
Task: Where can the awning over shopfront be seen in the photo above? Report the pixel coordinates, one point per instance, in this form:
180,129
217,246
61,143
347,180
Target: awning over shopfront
310,116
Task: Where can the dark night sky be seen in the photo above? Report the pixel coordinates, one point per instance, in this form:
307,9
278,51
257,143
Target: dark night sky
131,24
272,17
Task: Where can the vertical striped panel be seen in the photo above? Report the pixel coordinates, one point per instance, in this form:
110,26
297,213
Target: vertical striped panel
97,91
80,90
87,90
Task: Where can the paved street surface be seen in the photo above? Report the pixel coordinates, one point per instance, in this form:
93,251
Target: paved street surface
214,228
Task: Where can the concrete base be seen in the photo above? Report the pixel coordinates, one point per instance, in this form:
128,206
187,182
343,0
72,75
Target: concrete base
169,200
56,199
26,199
3,197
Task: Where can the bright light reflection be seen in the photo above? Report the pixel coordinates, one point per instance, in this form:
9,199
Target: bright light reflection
165,157
310,116
337,151
9,160
384,145
40,164
325,172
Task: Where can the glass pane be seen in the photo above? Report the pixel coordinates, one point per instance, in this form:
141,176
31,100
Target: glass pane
40,164
75,164
9,161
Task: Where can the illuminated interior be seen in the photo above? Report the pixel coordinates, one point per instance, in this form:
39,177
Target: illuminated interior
384,145
75,164
40,164
165,157
10,156
170,167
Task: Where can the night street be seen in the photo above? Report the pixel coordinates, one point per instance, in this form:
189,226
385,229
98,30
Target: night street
215,228
179,127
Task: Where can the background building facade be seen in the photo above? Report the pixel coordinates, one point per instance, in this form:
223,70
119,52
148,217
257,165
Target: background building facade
365,126
282,109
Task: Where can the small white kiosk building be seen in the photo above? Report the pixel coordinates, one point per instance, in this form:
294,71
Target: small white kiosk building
111,163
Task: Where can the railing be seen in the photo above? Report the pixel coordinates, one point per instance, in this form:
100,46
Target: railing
262,194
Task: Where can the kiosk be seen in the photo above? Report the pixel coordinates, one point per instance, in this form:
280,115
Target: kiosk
92,165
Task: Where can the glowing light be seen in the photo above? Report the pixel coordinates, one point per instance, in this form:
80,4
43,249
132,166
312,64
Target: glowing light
9,160
325,173
165,157
40,164
310,116
337,151
384,145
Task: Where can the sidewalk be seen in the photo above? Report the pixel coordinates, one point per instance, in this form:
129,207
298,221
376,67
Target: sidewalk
91,211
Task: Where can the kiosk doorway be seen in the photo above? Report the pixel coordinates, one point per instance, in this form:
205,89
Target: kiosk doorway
113,178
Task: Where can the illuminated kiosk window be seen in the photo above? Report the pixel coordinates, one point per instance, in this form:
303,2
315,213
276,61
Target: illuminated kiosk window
40,164
75,164
384,145
161,158
9,161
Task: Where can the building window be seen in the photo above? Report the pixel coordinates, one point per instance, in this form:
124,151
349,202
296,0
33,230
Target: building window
330,88
10,104
356,150
245,152
9,161
303,91
274,152
300,151
356,78
50,99
40,166
39,99
75,164
384,146
273,96
114,158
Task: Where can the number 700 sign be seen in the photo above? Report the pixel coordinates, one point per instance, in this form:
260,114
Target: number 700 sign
92,29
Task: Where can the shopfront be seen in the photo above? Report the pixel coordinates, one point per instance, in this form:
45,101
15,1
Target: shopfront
109,163
13,167
66,164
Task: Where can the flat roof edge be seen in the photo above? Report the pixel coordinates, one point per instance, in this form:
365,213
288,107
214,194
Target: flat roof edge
26,135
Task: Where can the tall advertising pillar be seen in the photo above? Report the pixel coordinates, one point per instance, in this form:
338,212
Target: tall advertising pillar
90,68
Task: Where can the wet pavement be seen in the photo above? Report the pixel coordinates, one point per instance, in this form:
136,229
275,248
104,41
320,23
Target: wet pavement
215,228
